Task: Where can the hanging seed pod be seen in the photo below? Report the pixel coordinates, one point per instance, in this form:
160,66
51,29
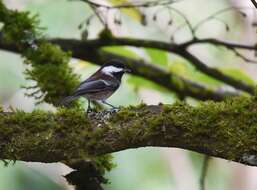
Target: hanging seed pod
170,22
154,17
255,52
115,21
84,35
80,26
227,27
119,22
144,20
88,21
172,38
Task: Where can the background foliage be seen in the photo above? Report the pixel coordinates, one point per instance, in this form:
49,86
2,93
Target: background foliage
136,169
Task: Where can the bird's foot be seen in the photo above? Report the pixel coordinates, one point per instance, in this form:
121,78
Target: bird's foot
89,111
114,109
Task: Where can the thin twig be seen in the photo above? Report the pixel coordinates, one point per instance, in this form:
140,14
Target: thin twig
131,5
254,3
214,16
243,57
212,41
187,22
215,73
204,172
182,15
94,8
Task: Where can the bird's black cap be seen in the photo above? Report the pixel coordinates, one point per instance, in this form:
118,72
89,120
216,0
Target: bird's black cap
117,63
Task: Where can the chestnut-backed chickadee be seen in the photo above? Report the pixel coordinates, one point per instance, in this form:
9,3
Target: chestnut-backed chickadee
101,85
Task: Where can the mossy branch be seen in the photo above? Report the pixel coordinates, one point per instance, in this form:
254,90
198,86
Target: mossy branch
49,64
226,130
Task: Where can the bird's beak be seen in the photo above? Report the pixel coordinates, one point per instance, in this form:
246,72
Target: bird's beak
127,70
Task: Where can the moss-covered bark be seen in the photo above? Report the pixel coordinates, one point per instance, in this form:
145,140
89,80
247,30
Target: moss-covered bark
49,64
227,130
54,80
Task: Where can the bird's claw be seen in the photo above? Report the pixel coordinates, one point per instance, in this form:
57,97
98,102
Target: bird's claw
89,111
114,109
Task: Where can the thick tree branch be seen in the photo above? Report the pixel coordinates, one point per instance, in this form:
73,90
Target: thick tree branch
226,130
173,48
167,79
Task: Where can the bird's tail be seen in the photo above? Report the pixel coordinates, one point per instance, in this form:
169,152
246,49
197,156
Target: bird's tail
65,101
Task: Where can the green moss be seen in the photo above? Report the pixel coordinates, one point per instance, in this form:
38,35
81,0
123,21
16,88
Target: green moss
227,129
55,79
49,63
104,163
215,122
68,134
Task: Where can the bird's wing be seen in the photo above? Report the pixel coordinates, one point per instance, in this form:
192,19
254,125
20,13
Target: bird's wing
92,87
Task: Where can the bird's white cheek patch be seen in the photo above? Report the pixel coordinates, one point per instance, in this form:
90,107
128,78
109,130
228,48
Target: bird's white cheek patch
111,69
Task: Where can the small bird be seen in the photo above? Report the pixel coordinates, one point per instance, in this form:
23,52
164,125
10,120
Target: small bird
100,85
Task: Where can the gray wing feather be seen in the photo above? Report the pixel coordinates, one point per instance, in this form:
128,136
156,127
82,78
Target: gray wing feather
92,86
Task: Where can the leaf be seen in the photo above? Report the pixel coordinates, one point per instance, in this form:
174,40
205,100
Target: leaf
139,82
124,51
238,74
134,13
187,71
157,56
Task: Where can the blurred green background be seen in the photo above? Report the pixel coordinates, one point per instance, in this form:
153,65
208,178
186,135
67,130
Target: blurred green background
146,168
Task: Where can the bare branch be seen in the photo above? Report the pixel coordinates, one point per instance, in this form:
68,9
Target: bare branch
85,50
183,16
243,57
254,3
132,5
152,72
215,73
177,49
216,14
212,41
203,176
94,8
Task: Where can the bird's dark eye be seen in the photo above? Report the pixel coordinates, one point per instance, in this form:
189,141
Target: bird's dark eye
117,73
